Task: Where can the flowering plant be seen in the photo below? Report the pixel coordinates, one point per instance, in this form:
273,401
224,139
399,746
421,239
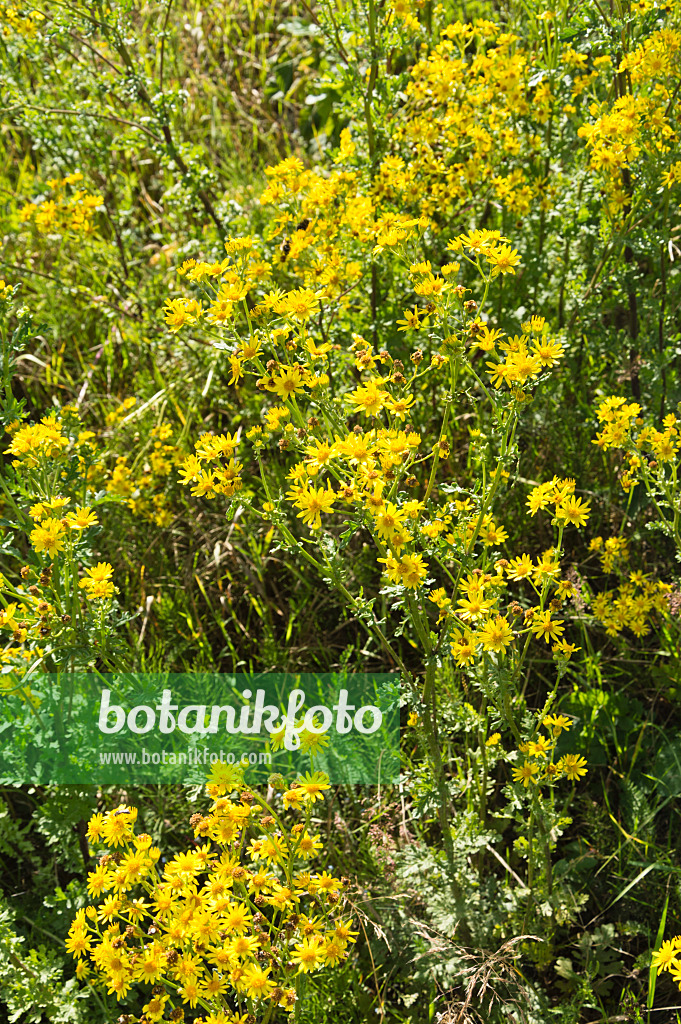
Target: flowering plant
230,926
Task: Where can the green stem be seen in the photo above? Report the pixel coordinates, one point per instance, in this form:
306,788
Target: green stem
430,719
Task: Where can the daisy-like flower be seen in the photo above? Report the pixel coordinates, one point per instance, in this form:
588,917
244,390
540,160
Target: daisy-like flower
313,786
369,398
574,510
313,501
496,635
540,747
525,773
573,766
288,382
544,626
82,518
301,304
412,320
668,956
309,954
520,568
227,776
557,723
503,259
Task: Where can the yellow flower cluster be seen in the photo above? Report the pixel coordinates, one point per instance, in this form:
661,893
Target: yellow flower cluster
364,471
560,494
480,110
19,20
647,447
51,458
37,441
461,126
23,618
222,476
66,211
97,582
38,446
634,605
144,486
526,356
539,765
477,622
227,926
51,533
613,552
638,124
477,105
638,602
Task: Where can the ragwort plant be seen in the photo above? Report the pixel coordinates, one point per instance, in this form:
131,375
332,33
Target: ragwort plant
231,926
352,456
58,605
370,318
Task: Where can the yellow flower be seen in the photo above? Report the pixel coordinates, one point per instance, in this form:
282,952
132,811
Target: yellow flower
564,650
400,406
503,259
94,829
574,766
548,352
288,382
540,497
312,742
313,501
82,518
495,635
525,773
155,1007
98,582
117,826
409,570
226,776
369,398
544,626
334,951
300,304
101,571
49,536
313,786
557,723
490,534
236,373
574,510
520,568
205,484
293,797
463,647
190,991
389,519
668,955
539,747
309,954
150,966
78,942
411,321
318,455
308,846
177,314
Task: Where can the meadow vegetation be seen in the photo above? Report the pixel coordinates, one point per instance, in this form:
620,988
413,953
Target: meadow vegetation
346,335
